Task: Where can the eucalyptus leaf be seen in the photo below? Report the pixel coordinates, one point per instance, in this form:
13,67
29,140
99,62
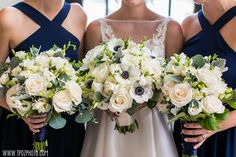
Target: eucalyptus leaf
15,61
84,117
98,96
198,61
177,78
133,109
56,121
220,62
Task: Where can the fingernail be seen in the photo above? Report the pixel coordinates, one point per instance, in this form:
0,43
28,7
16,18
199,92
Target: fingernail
185,125
183,131
186,139
195,147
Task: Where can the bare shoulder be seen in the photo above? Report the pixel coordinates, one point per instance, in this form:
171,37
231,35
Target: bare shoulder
190,26
174,28
77,8
94,27
8,18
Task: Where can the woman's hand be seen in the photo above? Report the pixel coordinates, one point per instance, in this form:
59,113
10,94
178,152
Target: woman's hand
196,130
36,122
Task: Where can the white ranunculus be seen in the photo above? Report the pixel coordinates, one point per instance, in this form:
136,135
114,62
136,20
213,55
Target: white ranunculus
195,108
115,45
124,119
181,95
21,54
16,71
62,101
59,62
35,84
41,106
207,76
23,107
141,91
26,73
4,78
75,92
152,67
109,86
120,100
98,87
42,60
27,63
211,104
101,72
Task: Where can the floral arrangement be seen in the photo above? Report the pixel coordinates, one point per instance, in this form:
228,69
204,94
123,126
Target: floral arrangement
122,77
194,91
41,83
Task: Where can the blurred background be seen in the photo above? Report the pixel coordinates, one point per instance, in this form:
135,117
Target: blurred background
177,9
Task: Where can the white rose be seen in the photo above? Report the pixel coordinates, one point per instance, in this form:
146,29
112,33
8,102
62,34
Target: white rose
4,78
21,54
41,106
62,102
59,62
101,72
27,63
75,92
216,89
152,67
16,71
181,95
35,84
195,108
124,119
207,76
120,100
211,104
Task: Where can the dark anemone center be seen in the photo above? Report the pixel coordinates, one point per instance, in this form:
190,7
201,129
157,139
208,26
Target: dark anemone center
125,74
116,48
89,84
139,90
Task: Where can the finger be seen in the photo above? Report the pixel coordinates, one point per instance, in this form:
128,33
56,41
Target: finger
194,132
192,125
38,120
195,139
199,144
39,116
37,126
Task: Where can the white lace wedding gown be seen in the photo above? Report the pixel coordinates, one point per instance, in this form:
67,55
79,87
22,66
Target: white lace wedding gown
153,138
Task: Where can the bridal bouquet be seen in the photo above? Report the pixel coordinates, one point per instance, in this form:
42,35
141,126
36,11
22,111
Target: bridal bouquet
41,83
194,91
124,77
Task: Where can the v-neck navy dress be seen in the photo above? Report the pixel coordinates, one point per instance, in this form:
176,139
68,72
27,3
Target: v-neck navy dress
208,42
14,133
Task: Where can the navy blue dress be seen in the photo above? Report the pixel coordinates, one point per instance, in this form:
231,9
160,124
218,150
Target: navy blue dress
208,42
14,133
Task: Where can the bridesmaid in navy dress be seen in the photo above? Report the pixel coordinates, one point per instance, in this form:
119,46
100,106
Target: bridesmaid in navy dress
21,26
213,31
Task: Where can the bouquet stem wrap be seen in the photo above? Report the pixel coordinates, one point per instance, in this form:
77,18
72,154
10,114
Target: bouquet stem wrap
40,139
188,147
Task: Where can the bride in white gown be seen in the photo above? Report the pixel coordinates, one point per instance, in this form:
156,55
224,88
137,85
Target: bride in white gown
164,36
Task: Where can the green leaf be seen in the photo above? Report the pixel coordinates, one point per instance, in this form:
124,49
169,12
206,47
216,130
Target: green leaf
231,103
84,117
64,76
133,109
222,116
234,95
198,61
15,61
56,121
98,96
182,116
151,104
177,78
209,123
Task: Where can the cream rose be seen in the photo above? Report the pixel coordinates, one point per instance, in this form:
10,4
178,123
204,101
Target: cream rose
120,100
62,102
35,84
181,95
75,92
211,104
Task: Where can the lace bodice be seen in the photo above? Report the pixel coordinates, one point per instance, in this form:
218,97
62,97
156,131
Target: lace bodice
156,32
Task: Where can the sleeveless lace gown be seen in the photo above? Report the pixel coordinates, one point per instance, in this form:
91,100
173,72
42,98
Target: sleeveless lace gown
153,138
